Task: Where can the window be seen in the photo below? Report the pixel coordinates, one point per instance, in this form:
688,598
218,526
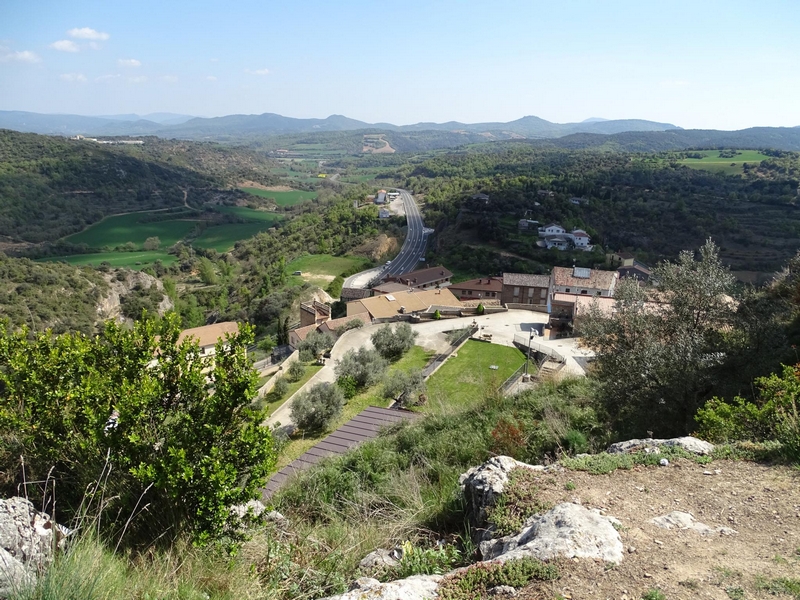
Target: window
516,292
543,293
584,292
567,290
599,293
530,292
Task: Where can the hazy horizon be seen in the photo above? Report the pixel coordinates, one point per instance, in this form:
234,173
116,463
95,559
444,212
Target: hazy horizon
714,65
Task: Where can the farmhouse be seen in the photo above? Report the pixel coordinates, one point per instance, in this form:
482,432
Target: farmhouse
299,334
424,279
522,288
389,288
381,197
384,213
208,335
314,313
386,307
583,281
484,288
528,225
555,236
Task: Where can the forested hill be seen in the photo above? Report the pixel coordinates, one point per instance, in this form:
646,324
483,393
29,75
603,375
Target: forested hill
777,138
51,186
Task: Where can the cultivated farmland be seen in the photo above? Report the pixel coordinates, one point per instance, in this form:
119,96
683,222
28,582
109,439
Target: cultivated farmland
135,228
282,198
712,161
128,260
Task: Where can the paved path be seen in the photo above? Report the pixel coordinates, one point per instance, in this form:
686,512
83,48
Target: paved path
502,326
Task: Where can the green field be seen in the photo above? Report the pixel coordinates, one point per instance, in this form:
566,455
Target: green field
250,214
129,260
223,237
712,161
282,198
467,378
118,230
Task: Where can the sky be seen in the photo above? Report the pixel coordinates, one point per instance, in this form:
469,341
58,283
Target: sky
697,64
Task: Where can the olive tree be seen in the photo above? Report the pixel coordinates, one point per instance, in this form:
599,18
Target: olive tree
403,386
317,408
364,366
392,343
316,343
658,355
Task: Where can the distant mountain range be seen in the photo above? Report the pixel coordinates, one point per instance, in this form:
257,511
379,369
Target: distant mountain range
233,126
625,134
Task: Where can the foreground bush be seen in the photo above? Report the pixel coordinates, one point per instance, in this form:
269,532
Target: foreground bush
390,343
167,435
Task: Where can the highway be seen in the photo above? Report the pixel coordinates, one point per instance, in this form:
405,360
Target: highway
408,258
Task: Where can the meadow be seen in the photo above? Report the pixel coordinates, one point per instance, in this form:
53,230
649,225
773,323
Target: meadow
321,269
222,238
712,161
282,198
128,260
121,229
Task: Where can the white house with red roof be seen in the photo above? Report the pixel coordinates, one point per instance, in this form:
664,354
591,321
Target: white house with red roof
555,236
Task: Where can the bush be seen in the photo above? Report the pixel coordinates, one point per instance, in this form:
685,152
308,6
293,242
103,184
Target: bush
426,561
404,387
280,387
476,580
480,310
392,344
316,343
317,408
348,385
365,366
296,371
135,421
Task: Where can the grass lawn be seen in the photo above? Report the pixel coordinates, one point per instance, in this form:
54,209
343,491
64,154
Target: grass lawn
129,260
282,198
115,231
712,161
467,378
223,237
416,358
272,404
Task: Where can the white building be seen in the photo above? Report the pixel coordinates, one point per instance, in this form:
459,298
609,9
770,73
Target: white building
555,236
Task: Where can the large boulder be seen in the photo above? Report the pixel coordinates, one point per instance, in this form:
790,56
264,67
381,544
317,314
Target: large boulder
568,530
418,587
687,443
484,484
27,541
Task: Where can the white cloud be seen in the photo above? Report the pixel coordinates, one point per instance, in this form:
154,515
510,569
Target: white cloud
73,77
211,78
87,33
140,79
65,46
258,71
108,77
168,78
129,62
25,56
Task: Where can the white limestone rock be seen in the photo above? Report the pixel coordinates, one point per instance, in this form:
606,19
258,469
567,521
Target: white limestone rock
688,443
419,587
685,521
568,530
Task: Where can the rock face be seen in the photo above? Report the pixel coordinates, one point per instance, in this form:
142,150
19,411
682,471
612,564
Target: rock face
419,587
26,543
688,443
484,484
110,306
682,520
568,530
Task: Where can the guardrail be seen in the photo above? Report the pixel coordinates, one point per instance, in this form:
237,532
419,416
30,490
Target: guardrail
508,383
454,345
532,344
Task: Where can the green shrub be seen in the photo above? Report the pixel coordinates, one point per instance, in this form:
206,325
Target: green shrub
296,371
426,561
347,383
317,408
478,579
129,404
280,387
391,343
518,502
480,310
654,594
575,442
364,365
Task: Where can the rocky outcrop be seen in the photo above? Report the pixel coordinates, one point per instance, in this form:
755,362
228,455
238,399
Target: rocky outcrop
484,484
568,530
27,540
120,284
419,587
381,559
685,521
687,443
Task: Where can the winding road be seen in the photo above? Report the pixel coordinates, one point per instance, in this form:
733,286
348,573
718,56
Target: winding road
408,259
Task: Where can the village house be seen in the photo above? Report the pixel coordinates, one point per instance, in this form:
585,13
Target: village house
583,281
384,213
207,336
388,306
381,197
314,313
546,193
528,225
424,279
555,236
484,288
637,270
522,288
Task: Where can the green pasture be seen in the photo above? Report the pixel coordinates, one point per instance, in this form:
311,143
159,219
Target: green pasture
282,198
712,161
128,260
121,229
223,237
251,215
467,378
